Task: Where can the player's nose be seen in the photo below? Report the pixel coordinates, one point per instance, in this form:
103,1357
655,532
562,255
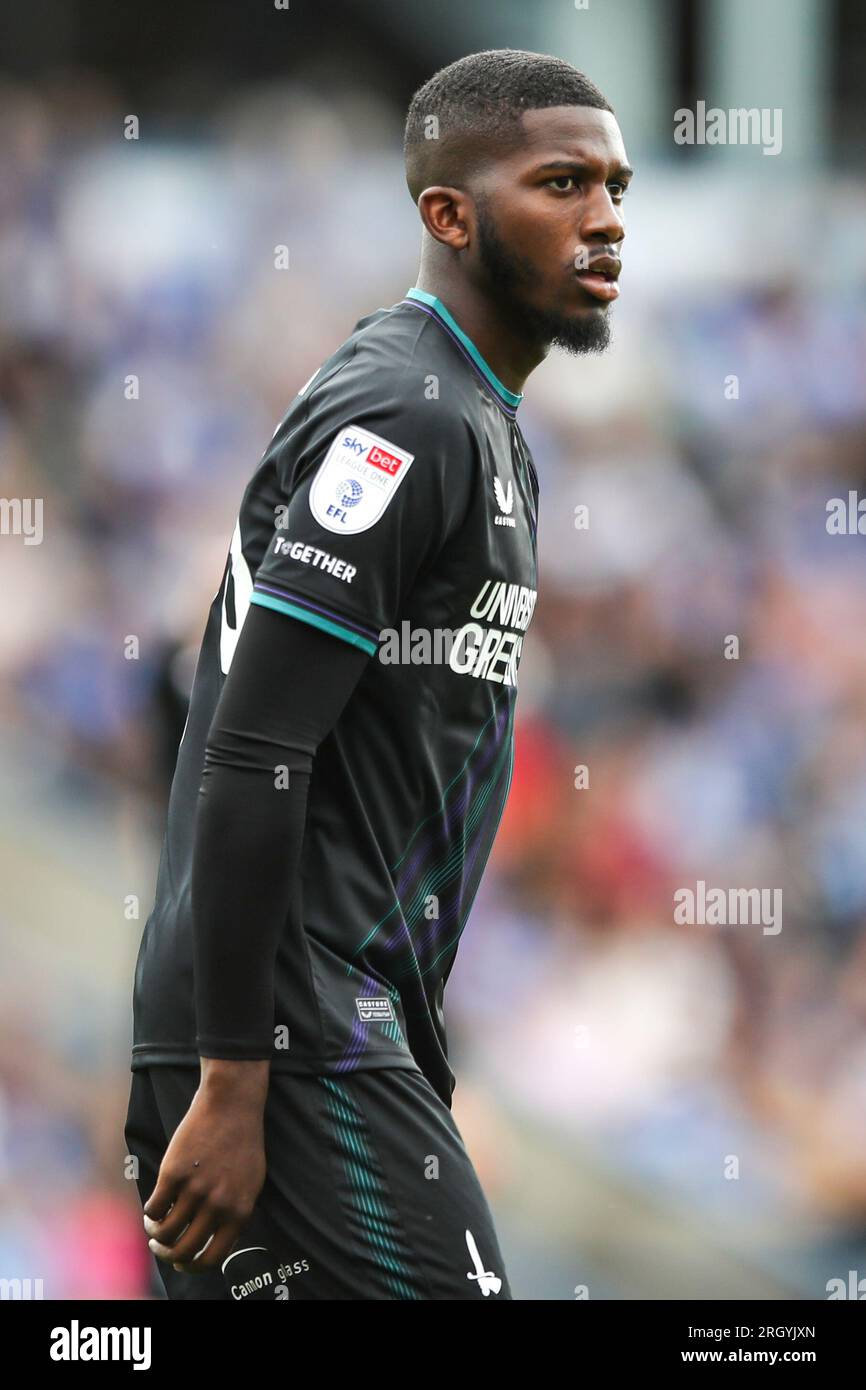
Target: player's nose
601,219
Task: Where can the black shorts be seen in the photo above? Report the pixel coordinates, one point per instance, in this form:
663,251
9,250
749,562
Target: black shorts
370,1193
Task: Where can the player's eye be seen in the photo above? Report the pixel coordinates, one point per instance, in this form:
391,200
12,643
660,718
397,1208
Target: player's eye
563,178
618,191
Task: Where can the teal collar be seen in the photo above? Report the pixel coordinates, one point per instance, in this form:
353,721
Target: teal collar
511,398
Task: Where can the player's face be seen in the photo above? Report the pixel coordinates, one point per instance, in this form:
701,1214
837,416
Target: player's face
550,226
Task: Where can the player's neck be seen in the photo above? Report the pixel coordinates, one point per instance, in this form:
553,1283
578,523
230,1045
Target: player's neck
504,349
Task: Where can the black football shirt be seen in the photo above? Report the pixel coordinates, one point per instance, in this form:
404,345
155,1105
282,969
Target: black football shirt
394,508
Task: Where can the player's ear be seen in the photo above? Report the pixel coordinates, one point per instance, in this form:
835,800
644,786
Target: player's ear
444,214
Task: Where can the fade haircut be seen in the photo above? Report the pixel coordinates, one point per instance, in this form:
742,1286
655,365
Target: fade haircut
469,114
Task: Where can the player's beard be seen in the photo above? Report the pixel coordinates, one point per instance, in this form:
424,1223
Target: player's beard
511,277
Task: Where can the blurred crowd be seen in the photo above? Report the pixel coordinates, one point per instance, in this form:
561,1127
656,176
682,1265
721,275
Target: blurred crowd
692,692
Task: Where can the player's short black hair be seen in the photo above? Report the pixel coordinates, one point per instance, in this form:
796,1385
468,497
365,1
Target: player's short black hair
468,113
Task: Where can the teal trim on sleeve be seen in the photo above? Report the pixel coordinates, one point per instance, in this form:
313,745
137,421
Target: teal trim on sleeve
512,397
293,611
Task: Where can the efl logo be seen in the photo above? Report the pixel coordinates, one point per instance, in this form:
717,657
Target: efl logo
387,462
362,465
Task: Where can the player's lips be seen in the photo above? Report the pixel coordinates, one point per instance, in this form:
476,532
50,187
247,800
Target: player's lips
600,278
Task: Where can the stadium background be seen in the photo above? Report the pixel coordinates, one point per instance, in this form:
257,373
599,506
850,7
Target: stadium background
610,1063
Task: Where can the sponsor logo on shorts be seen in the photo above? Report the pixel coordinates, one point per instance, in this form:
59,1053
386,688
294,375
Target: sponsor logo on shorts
375,1010
256,1275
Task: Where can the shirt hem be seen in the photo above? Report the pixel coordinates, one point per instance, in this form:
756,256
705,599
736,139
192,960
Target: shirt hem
167,1055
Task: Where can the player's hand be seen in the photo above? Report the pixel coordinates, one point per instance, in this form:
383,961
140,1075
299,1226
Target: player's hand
213,1169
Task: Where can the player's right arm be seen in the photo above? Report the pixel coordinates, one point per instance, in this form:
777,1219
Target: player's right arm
287,684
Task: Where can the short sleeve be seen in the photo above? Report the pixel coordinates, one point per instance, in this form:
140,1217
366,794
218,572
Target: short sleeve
370,500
